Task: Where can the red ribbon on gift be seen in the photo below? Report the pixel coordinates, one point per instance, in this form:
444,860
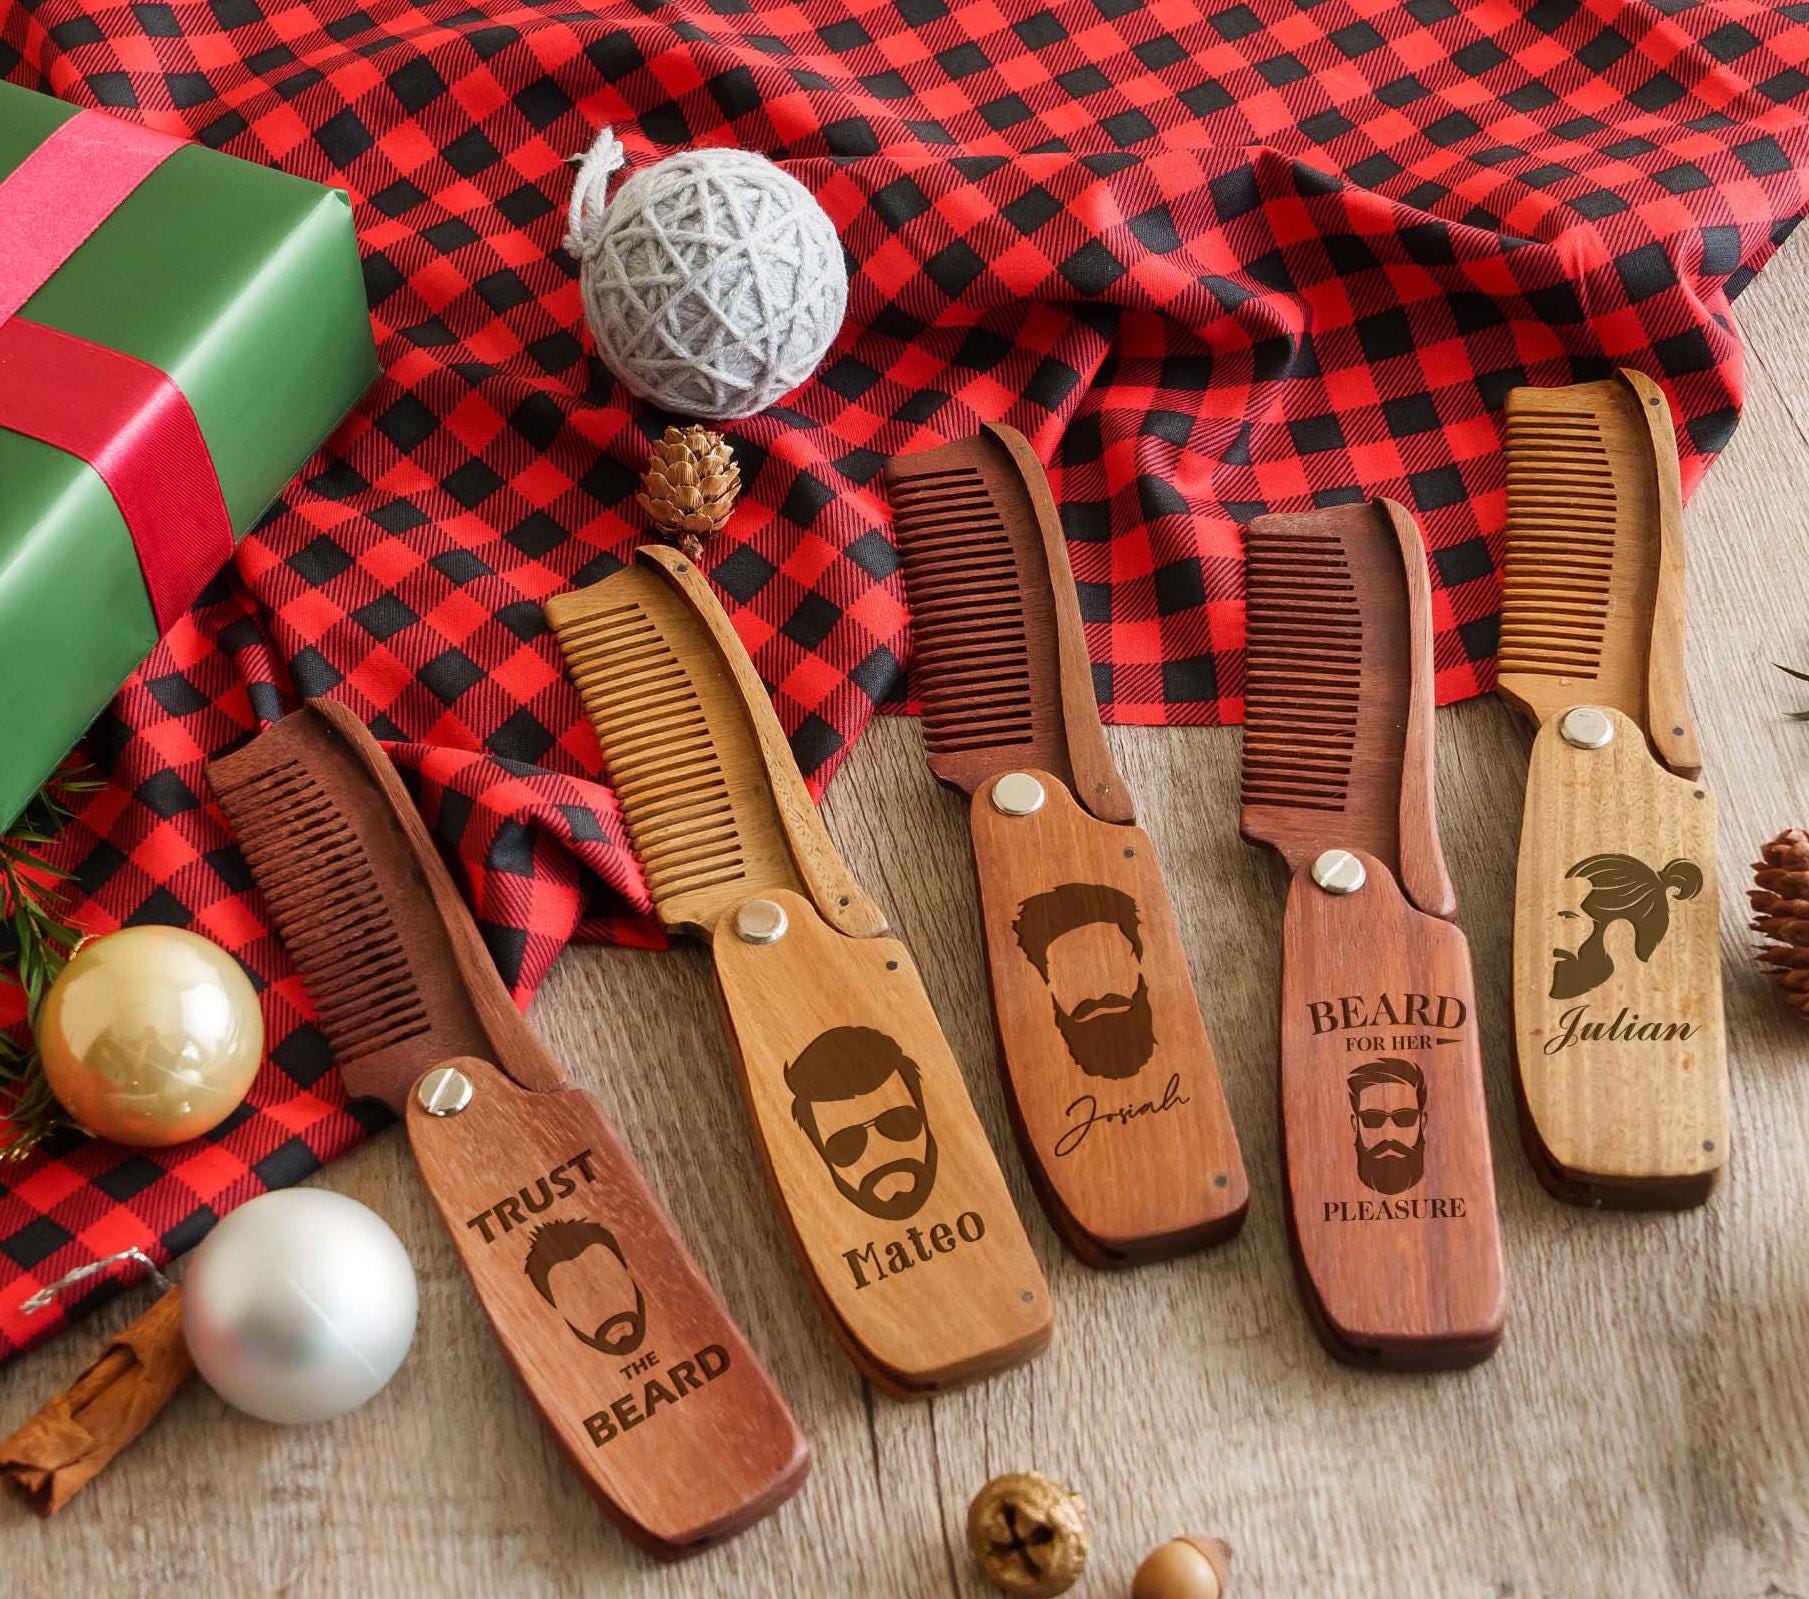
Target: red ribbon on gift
123,417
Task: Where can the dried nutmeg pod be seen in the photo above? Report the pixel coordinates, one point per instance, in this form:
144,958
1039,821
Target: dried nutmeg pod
1780,910
689,488
1189,1567
1029,1535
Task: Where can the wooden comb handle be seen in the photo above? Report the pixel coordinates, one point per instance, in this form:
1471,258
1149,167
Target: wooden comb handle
650,1388
897,1209
1118,1106
1668,720
1090,767
1620,1047
1398,1248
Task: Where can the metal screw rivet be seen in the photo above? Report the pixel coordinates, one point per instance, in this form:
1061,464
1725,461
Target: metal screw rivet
1017,794
444,1091
1338,871
1586,727
761,921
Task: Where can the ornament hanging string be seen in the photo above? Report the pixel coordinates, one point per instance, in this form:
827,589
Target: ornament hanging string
47,1295
590,192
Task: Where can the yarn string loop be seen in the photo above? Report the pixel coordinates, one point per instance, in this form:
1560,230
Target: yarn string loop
584,216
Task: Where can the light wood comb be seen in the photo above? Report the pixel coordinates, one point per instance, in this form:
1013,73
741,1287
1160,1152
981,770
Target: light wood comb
1390,1186
1114,1090
895,1204
1619,1038
671,1420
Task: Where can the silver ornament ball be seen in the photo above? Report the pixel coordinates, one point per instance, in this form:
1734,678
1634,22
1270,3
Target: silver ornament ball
713,281
299,1306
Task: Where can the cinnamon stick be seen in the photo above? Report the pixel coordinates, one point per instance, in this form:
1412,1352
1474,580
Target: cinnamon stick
67,1443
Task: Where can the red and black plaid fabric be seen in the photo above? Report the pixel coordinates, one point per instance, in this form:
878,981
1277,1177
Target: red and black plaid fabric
1213,258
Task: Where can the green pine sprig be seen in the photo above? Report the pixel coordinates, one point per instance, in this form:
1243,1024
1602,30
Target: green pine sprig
40,938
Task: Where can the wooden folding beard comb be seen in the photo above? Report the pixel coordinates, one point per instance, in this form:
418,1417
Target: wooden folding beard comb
648,1385
882,1172
1113,1087
1390,1188
1618,1032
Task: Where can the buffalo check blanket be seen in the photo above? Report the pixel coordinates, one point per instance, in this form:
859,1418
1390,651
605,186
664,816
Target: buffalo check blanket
1214,258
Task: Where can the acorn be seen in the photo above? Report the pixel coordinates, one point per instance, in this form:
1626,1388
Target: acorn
1780,907
1029,1535
689,488
1189,1567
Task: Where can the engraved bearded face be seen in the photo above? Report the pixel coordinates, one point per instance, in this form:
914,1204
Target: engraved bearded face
1622,899
578,1268
1084,940
859,1099
1388,1121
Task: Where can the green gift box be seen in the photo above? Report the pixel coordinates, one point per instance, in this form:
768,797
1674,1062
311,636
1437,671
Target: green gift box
239,284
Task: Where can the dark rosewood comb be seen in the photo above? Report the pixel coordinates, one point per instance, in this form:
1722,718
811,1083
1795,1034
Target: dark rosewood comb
881,1170
1390,1190
1113,1087
1618,1033
624,1348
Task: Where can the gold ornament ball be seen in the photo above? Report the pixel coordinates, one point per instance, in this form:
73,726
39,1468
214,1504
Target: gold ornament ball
1029,1535
1183,1568
150,1036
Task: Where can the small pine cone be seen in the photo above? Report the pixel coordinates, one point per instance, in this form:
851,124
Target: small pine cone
1780,911
689,488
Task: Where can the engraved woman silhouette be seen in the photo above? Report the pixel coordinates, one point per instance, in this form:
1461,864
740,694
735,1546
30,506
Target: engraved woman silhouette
1621,889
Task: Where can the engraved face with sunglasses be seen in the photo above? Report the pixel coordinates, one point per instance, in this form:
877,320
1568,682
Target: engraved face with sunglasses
1388,1117
859,1099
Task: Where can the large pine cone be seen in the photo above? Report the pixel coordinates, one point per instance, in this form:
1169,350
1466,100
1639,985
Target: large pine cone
690,487
1780,910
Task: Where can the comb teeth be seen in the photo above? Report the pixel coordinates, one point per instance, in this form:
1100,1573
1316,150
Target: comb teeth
1303,667
1562,505
663,762
329,908
973,651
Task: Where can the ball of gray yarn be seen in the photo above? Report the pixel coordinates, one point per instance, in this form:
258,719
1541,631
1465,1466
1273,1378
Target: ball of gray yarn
713,282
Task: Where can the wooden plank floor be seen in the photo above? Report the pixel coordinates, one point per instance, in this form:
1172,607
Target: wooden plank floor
1642,1431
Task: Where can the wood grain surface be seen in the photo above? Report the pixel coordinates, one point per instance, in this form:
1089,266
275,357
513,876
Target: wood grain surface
1340,693
649,1387
999,650
1641,1434
924,1271
1619,1042
403,982
1129,1142
1594,572
1400,1254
